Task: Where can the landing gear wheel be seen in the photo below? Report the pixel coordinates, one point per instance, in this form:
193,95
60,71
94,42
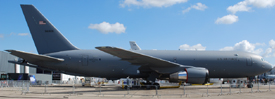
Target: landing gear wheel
156,85
125,87
148,86
249,85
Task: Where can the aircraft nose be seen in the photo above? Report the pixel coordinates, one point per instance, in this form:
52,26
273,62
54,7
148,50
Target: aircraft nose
268,66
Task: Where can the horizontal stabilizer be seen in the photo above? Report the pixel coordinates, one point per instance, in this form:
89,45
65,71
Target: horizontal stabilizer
34,57
30,65
43,68
25,64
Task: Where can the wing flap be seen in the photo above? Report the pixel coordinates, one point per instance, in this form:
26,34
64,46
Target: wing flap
34,57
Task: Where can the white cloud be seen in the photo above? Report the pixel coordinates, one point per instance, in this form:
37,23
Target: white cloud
258,51
12,33
273,55
270,49
244,46
19,34
1,36
151,3
228,19
272,44
186,10
267,52
241,6
23,34
199,6
259,44
244,5
195,47
106,27
261,3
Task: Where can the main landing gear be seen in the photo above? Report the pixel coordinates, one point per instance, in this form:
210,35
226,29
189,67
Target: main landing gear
149,85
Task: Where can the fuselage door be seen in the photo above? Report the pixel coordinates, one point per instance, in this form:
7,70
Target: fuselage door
85,60
249,61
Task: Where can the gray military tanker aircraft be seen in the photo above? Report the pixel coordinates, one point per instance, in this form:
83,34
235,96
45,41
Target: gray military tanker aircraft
57,53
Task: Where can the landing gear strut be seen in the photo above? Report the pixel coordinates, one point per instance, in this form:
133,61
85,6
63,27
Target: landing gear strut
250,84
150,82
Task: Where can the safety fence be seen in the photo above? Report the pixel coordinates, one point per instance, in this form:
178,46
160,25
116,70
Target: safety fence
112,89
59,82
22,85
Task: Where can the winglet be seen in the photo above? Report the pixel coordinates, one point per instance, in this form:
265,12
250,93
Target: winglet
134,46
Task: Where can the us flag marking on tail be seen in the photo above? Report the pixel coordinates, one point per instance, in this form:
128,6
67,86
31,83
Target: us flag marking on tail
42,22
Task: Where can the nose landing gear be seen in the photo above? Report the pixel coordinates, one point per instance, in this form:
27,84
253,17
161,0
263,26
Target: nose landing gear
250,83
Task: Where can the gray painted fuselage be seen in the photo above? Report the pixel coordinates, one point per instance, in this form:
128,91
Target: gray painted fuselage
221,64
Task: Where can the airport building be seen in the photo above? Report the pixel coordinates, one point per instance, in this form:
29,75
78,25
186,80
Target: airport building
41,76
6,68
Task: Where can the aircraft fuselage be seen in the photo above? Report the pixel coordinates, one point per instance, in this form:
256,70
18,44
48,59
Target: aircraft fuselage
221,64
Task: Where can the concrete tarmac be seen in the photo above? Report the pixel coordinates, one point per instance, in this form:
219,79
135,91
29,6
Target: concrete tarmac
115,92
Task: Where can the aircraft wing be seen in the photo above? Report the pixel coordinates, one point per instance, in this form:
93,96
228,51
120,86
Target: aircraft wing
34,57
138,58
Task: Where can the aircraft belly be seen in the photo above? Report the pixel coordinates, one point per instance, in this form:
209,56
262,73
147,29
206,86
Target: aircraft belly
110,70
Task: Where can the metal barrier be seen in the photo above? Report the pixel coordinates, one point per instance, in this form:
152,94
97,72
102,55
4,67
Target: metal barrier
59,82
21,85
113,89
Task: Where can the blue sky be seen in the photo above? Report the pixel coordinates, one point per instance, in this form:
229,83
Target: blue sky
246,25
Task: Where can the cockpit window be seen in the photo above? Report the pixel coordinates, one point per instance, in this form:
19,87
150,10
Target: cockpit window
262,59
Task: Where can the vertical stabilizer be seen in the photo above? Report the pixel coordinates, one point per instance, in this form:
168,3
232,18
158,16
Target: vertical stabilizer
134,46
46,37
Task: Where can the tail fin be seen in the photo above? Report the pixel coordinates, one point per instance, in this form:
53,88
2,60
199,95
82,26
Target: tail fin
134,46
46,37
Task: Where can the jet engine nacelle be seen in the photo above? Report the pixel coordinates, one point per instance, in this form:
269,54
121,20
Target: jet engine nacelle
191,75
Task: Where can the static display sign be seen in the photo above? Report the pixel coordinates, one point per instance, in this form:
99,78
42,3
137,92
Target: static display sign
32,79
56,76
